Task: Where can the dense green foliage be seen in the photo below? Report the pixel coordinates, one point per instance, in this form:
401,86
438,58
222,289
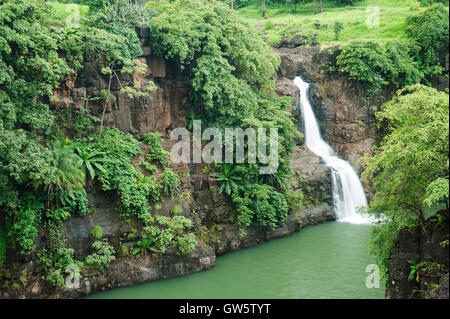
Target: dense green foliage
155,152
232,77
261,205
170,182
337,28
164,232
55,264
119,174
377,66
399,64
27,218
30,67
43,173
430,32
102,256
410,168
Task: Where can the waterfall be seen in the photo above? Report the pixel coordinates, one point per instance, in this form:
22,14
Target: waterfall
348,193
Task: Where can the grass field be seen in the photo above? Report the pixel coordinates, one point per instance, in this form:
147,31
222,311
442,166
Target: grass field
283,20
392,15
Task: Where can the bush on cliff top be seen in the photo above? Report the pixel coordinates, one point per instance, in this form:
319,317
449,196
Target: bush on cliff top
399,64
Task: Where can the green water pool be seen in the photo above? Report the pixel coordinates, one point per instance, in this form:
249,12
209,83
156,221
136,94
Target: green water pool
323,261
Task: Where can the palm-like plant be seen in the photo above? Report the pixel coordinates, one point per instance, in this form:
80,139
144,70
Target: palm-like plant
230,182
91,161
69,175
142,246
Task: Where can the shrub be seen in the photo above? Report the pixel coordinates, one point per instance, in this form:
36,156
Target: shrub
149,167
295,199
26,223
365,61
430,30
170,232
170,181
103,255
186,243
156,152
376,65
98,5
337,28
269,25
97,232
260,205
176,209
134,189
55,263
123,12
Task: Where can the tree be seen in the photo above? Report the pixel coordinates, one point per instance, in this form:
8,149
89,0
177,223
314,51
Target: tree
429,30
337,28
410,168
413,154
263,7
69,174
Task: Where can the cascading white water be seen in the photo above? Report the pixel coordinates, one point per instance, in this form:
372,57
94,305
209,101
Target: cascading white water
348,193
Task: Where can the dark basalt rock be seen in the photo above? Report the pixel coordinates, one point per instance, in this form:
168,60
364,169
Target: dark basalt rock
420,245
294,42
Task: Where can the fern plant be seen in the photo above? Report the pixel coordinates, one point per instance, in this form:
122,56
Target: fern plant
228,179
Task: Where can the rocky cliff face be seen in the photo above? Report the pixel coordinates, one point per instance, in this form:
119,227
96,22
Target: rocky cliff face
344,109
163,110
427,248
346,114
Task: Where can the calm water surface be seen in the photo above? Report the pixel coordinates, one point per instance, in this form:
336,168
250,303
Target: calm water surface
323,261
